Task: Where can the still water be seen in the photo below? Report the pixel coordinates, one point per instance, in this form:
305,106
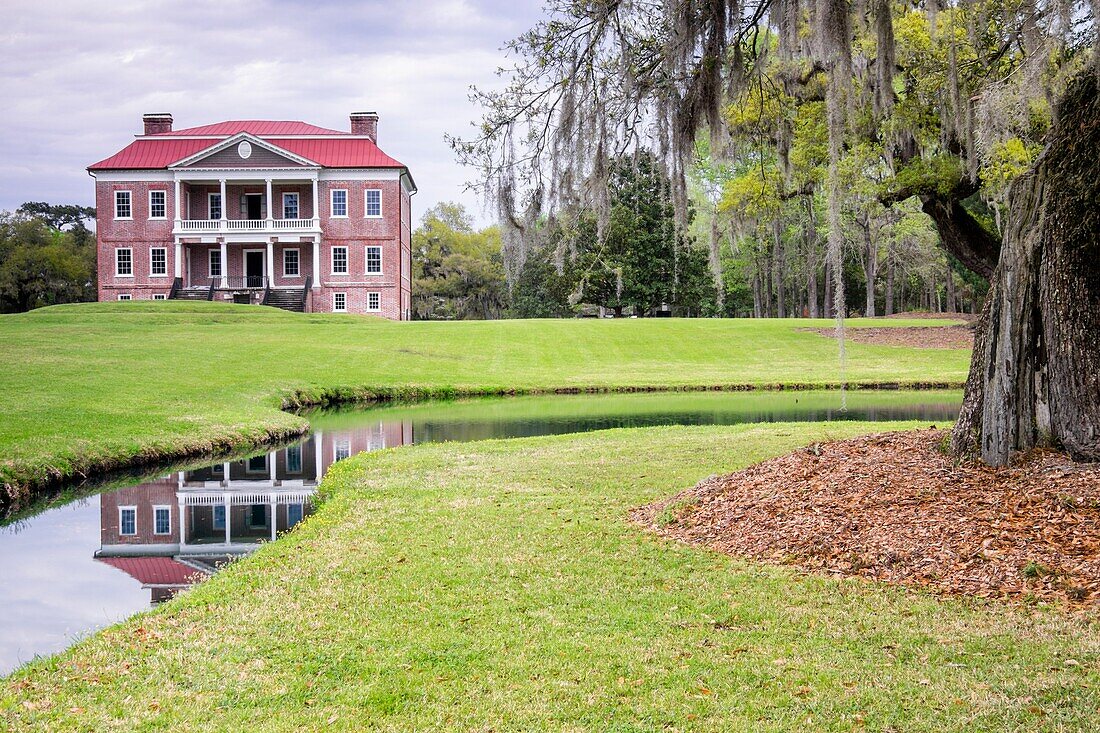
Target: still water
72,569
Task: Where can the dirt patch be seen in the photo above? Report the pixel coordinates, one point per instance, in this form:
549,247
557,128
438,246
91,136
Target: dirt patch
894,507
920,337
912,315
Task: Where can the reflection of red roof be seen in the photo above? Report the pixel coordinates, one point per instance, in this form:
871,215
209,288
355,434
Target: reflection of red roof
335,150
153,570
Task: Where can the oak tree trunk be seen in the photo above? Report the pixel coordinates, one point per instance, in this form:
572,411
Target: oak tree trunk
1035,376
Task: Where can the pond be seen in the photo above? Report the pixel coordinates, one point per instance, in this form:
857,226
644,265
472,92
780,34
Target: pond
96,560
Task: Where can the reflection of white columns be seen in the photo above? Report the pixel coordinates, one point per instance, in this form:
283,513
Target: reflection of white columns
225,474
179,260
316,262
271,461
183,522
228,519
270,264
225,265
274,504
318,470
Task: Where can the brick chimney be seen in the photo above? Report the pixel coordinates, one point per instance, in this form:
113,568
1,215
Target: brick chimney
365,123
157,123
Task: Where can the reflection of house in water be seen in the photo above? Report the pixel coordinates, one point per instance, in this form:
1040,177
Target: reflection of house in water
173,531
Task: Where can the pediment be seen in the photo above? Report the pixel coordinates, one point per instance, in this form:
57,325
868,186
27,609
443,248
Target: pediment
244,151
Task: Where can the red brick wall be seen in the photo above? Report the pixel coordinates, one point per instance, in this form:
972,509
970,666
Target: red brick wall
140,234
144,497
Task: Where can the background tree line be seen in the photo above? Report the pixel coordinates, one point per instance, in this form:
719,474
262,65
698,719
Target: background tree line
47,256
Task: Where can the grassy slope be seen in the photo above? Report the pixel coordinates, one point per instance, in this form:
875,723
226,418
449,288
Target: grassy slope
499,586
96,383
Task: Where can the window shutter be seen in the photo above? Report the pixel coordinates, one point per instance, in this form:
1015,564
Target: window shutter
243,213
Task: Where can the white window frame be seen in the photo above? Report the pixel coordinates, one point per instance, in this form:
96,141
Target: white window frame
297,252
341,449
210,205
163,193
122,509
297,204
129,205
124,249
212,253
376,296
156,509
366,259
248,464
332,203
339,295
214,516
332,260
158,274
295,450
366,203
160,296
125,296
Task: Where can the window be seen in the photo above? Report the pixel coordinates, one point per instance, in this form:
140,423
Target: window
339,260
123,205
125,296
339,202
215,206
162,520
339,302
374,302
127,520
215,263
374,203
293,514
257,464
158,204
290,263
341,449
294,459
374,260
290,206
124,262
158,261
219,516
160,296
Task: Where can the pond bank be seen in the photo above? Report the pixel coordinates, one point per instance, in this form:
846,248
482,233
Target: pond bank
23,485
500,585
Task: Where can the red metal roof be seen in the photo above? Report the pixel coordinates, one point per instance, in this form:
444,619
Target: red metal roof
259,128
338,151
154,570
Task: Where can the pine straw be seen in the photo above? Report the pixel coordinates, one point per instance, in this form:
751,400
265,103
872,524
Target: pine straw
894,507
920,337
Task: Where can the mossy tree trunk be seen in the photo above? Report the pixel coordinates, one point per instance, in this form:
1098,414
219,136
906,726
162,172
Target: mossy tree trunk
1035,376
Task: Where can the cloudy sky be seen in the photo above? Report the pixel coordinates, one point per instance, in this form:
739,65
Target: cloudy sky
76,76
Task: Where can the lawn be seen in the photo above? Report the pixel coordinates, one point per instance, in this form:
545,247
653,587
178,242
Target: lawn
500,586
93,386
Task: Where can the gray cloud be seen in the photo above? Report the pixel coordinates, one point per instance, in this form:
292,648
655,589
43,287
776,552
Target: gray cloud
76,78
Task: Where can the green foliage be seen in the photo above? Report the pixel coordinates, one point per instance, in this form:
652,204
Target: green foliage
40,264
458,273
1006,162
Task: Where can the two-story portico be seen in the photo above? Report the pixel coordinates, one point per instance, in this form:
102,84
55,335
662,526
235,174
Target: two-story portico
279,213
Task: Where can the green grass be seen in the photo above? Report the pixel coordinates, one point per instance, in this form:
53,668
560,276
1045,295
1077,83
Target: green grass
499,586
94,386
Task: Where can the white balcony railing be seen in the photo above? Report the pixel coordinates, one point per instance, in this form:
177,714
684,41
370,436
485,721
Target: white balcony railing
202,226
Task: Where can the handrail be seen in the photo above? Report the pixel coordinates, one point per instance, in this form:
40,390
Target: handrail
177,282
210,292
240,282
267,289
305,292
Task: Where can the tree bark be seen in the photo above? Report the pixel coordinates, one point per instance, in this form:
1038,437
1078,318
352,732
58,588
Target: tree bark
1035,376
870,267
888,305
827,303
779,266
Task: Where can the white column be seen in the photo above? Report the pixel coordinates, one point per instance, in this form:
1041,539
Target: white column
270,264
183,522
316,210
316,263
225,208
228,519
225,471
179,260
274,504
179,204
270,205
225,271
318,469
271,460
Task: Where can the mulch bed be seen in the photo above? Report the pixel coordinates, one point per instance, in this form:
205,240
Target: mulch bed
921,337
895,507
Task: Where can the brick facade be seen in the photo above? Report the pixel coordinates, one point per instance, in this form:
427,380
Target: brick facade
391,231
